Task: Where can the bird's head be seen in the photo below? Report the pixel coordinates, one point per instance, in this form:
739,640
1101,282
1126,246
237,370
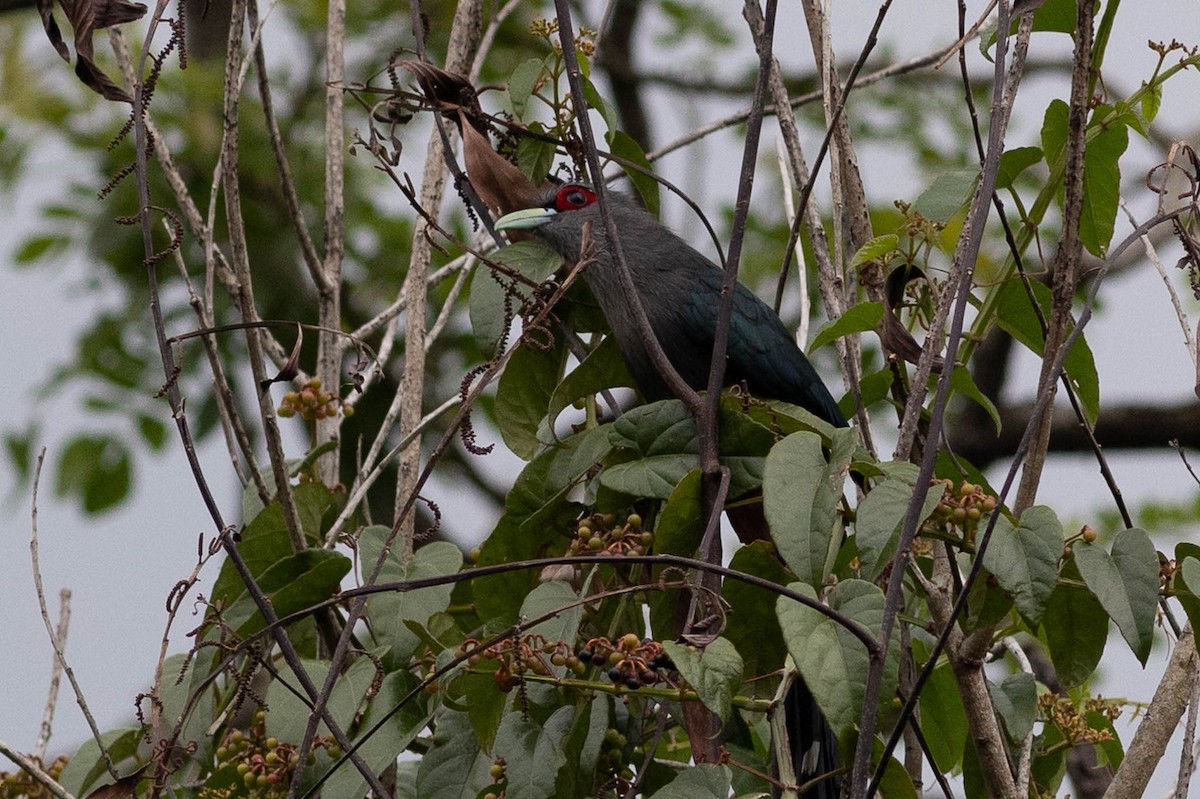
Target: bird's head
560,218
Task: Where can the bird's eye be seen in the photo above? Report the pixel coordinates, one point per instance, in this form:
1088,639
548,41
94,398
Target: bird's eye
572,198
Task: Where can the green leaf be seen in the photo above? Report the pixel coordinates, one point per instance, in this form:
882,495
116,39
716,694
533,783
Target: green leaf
1014,162
880,517
1151,101
1054,131
87,770
1016,316
1126,583
874,387
679,529
97,469
624,147
454,767
702,781
833,662
661,438
1075,629
1186,581
1024,558
756,635
948,193
596,101
857,319
1015,701
1102,183
533,752
602,368
550,596
153,431
875,249
524,391
533,520
391,611
1053,15
715,673
801,491
291,584
36,248
384,745
521,84
963,382
487,307
941,701
535,157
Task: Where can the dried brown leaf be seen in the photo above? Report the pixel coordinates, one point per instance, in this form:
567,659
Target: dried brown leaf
86,17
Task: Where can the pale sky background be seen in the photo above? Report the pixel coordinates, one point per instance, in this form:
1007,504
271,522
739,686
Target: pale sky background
121,566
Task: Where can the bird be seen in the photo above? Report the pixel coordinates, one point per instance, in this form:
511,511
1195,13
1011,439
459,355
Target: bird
680,290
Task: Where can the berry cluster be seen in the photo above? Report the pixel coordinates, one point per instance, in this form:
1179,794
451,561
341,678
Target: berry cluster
613,756
1073,723
499,774
262,764
962,507
599,534
516,657
632,661
19,784
313,402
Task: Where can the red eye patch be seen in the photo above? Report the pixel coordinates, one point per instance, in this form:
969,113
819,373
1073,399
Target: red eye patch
573,197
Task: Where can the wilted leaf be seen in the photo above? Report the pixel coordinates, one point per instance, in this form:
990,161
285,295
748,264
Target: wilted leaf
87,17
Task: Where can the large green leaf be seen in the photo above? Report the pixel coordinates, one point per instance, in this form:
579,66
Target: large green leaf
880,517
454,766
384,745
624,147
1102,183
522,82
553,595
602,368
661,440
98,469
833,662
523,393
942,705
801,491
533,752
1101,170
858,318
1126,583
1075,628
391,612
702,781
1016,316
756,634
715,672
1024,558
1015,700
490,313
948,192
291,584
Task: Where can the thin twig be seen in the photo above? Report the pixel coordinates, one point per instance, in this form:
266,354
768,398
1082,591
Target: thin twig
60,645
59,656
31,767
962,271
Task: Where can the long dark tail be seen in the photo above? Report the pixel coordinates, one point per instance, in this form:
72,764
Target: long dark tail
814,748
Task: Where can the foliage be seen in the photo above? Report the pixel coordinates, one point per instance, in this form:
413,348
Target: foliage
337,652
